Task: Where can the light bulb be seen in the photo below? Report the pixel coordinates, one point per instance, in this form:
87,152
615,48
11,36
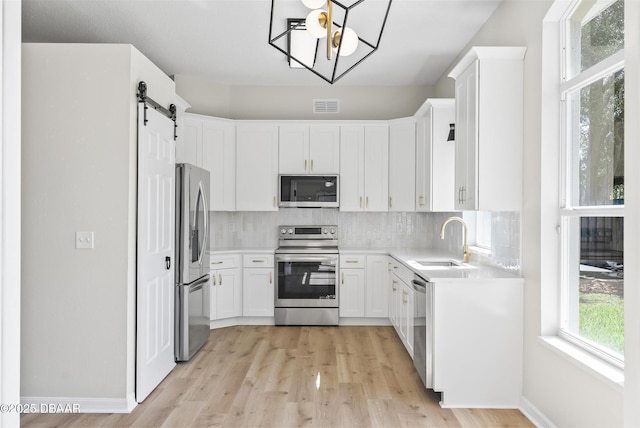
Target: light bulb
314,4
349,40
316,23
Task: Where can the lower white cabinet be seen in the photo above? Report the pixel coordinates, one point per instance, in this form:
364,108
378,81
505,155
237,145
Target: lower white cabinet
363,286
376,305
226,286
352,286
257,280
401,302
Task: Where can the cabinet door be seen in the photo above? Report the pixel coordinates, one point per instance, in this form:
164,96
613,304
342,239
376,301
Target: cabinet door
258,292
256,168
376,168
227,293
351,168
376,294
352,293
191,151
443,153
408,296
423,163
466,171
394,300
293,149
219,158
324,149
402,165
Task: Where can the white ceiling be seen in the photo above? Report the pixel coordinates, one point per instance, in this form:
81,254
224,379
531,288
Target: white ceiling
226,41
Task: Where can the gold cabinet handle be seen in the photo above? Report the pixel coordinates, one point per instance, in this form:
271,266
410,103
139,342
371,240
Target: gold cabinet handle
220,279
394,285
342,278
421,200
367,202
274,202
218,262
305,165
390,202
351,261
404,297
360,201
311,165
214,280
257,261
270,277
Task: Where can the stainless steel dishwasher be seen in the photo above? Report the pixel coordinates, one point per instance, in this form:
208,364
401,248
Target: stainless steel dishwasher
423,329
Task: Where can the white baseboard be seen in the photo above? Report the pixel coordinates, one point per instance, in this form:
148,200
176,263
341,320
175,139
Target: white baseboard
79,404
230,322
534,415
365,321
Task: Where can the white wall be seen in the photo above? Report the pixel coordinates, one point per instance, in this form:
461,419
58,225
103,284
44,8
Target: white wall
10,35
79,169
296,102
564,393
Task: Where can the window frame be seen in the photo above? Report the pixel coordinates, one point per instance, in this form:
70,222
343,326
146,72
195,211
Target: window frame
567,209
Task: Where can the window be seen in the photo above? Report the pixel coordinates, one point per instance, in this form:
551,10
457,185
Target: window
592,194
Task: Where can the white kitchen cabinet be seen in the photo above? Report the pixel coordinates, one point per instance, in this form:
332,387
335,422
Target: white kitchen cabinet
190,149
364,168
352,286
363,286
210,143
256,167
477,349
309,149
226,286
219,158
435,156
258,285
376,299
402,164
489,116
401,302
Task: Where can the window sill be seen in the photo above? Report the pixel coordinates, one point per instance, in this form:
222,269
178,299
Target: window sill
480,250
610,374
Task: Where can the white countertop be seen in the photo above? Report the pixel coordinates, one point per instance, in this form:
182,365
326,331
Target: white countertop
474,271
410,258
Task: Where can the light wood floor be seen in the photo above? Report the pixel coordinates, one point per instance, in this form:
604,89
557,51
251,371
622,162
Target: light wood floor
265,376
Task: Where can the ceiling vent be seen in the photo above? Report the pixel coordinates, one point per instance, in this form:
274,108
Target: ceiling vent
326,106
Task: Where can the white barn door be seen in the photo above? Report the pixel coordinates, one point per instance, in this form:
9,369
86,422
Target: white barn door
156,230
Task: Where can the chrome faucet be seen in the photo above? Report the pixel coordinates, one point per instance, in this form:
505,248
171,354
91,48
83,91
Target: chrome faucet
465,249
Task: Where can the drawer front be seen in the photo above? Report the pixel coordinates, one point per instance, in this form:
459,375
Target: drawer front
352,261
403,272
257,260
224,261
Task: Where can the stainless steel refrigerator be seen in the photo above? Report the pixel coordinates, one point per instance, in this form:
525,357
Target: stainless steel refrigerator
192,260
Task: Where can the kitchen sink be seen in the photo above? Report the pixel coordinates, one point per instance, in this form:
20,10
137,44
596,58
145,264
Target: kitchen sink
430,263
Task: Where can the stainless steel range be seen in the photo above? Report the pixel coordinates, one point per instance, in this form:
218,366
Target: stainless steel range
306,264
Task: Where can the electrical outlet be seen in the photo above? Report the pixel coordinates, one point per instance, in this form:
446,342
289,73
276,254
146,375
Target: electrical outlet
84,240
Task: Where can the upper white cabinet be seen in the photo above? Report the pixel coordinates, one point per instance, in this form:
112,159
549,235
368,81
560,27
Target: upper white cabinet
210,143
256,167
489,109
402,164
364,168
435,156
313,149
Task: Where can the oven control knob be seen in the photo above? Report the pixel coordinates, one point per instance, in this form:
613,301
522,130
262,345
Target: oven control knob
325,230
283,231
290,231
333,230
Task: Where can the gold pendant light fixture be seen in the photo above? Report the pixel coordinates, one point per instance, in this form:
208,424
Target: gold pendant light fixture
299,37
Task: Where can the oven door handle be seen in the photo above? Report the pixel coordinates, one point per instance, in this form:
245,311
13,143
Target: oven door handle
306,258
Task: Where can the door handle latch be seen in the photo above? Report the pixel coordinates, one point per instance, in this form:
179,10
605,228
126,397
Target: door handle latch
167,262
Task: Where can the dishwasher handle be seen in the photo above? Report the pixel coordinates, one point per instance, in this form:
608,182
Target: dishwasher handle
419,284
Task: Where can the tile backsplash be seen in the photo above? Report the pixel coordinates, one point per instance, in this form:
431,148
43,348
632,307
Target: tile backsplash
367,231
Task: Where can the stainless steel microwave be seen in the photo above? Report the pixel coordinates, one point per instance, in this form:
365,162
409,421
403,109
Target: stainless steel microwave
308,191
